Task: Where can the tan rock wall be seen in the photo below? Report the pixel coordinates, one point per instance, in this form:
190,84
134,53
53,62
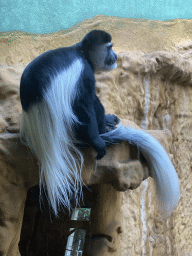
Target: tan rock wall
152,87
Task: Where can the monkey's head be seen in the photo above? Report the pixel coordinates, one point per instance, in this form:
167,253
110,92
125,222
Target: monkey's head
97,49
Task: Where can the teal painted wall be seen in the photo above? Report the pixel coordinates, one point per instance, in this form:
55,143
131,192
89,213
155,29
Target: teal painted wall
45,16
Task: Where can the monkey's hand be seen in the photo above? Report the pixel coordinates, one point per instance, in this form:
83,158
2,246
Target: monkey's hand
100,154
99,146
111,121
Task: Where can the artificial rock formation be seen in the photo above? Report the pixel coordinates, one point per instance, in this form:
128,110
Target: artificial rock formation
151,87
19,172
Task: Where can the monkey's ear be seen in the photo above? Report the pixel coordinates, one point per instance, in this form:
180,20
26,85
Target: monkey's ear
85,45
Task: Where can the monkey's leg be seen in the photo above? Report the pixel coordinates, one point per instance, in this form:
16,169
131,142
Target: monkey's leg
111,122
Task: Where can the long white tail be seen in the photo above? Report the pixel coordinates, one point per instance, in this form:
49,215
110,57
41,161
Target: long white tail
161,168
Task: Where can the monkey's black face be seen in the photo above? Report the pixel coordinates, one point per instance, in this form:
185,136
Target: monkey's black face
111,58
103,57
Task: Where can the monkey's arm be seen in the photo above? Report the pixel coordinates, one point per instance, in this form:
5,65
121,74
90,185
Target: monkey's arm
88,130
105,123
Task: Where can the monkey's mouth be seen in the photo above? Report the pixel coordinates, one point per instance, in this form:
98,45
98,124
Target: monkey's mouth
111,66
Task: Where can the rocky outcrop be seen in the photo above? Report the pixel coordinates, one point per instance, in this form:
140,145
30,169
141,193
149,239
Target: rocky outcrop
151,87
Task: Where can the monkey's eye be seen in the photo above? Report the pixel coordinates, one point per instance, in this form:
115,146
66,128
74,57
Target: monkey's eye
110,46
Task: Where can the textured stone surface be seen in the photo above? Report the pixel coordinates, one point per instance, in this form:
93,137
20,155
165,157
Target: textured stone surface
151,87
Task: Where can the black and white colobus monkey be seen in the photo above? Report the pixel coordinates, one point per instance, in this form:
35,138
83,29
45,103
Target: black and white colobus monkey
61,109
